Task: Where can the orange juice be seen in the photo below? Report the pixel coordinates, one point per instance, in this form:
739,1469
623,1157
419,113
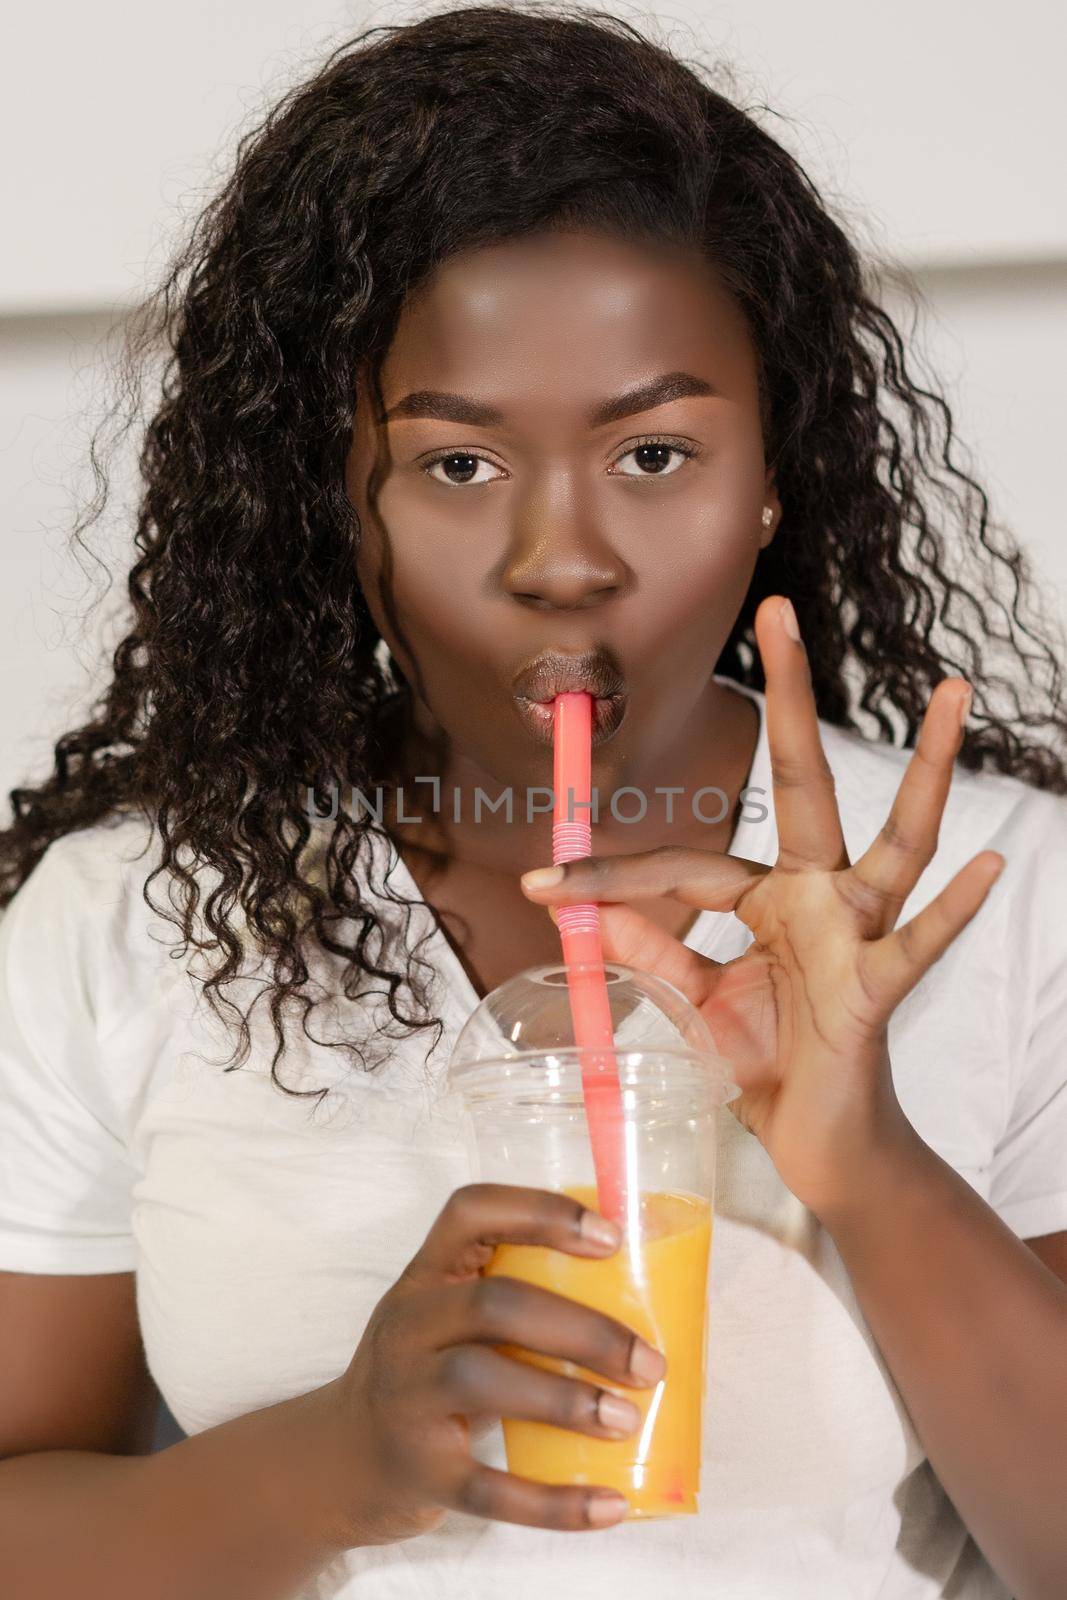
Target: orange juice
657,1286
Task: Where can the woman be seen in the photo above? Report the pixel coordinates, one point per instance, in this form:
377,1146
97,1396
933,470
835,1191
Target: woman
514,358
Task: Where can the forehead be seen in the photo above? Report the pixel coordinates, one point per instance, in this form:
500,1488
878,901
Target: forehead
568,318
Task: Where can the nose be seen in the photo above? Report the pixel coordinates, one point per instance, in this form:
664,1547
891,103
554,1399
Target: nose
560,560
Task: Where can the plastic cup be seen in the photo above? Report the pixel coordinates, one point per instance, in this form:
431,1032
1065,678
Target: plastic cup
526,1121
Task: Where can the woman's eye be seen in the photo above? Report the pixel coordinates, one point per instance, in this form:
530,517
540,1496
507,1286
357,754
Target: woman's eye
459,467
653,458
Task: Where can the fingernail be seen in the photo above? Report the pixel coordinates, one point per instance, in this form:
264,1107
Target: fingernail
789,620
615,1412
598,1230
646,1364
965,706
604,1508
542,878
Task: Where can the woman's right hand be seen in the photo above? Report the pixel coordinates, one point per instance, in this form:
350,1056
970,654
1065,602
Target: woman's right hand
426,1377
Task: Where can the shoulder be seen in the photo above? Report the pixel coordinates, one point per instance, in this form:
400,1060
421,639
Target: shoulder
983,811
978,1011
95,859
91,874
79,934
1010,955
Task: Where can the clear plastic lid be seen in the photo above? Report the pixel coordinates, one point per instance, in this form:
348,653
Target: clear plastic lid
529,1017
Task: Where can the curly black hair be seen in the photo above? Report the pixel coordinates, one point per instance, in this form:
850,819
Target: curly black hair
250,673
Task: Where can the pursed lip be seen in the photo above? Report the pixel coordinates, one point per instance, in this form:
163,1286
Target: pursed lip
553,672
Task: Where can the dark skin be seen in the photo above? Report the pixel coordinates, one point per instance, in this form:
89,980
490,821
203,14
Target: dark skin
555,549
484,544
547,540
541,531
972,1325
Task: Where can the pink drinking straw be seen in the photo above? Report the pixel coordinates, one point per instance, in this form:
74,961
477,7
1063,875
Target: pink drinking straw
579,929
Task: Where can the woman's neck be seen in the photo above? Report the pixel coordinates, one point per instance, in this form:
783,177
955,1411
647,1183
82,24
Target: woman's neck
714,751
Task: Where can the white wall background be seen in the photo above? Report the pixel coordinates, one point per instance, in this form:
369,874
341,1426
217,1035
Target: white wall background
939,130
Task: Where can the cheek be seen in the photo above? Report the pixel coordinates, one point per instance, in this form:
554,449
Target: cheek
703,564
435,590
409,570
430,598
714,532
701,538
720,520
704,567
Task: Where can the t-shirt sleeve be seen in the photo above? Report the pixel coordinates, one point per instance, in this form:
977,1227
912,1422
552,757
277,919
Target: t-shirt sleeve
1028,1183
65,1178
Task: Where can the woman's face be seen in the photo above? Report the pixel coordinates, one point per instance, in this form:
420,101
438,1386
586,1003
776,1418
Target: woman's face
563,491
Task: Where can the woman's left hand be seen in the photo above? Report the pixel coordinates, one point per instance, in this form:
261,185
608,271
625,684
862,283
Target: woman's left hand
803,1013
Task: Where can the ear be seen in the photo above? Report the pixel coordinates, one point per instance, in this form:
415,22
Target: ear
770,498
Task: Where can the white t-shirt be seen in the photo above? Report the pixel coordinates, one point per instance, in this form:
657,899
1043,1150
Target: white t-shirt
262,1235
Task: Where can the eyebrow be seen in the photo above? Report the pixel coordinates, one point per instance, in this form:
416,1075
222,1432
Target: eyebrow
448,407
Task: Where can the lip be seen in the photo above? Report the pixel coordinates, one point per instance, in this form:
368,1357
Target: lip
554,672
537,717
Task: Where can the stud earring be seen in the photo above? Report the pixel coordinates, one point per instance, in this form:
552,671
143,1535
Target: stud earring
767,516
